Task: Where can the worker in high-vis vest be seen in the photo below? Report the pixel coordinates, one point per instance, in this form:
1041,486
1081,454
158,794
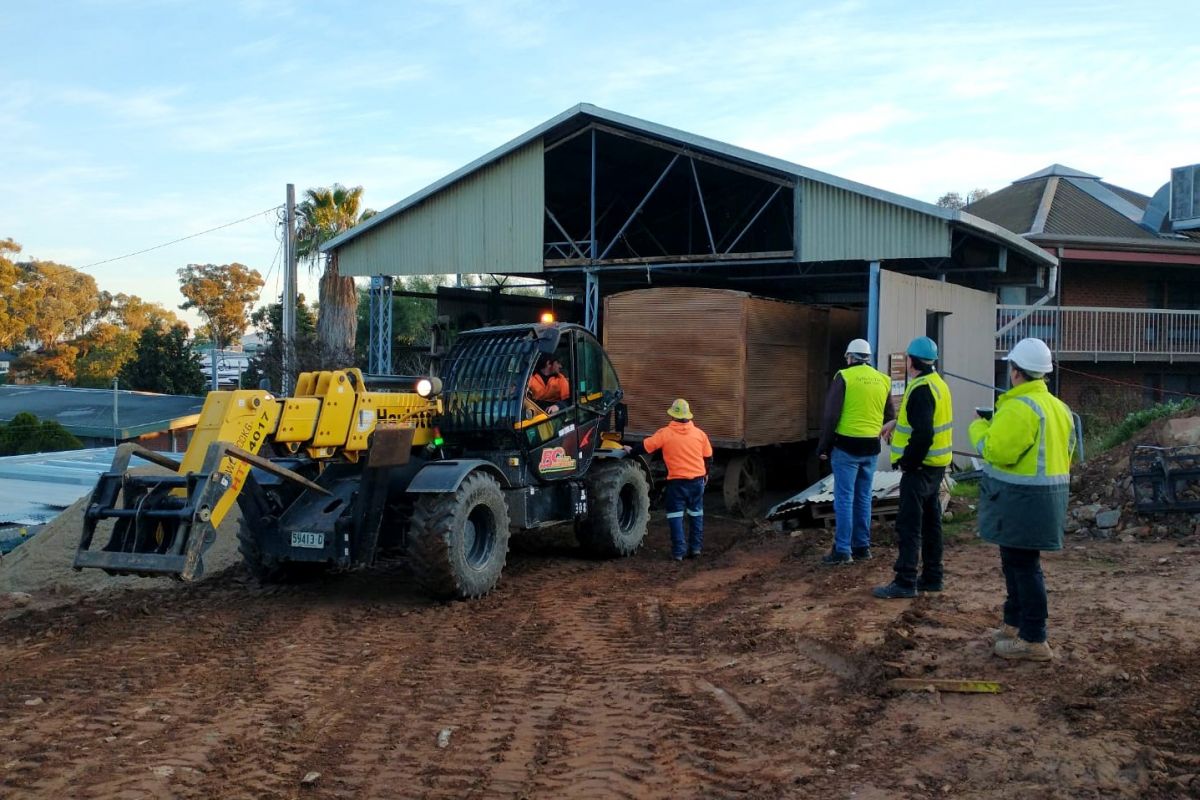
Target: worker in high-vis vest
1028,445
856,408
688,454
921,447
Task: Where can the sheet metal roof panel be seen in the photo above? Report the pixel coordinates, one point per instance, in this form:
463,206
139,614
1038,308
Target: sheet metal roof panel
1078,212
1013,207
576,117
840,225
490,221
89,412
34,488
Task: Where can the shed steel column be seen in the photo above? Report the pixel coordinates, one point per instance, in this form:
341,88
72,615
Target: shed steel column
379,318
873,309
591,301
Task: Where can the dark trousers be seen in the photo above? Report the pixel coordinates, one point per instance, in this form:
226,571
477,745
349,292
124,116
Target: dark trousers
685,498
919,527
1025,606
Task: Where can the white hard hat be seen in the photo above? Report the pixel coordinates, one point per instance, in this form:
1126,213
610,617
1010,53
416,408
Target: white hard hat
1031,355
859,347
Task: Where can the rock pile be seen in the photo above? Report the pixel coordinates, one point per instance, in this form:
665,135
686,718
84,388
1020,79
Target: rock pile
1102,499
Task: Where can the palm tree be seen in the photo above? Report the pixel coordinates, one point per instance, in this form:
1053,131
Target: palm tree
325,212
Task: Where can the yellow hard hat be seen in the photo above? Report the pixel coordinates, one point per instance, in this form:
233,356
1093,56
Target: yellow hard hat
680,409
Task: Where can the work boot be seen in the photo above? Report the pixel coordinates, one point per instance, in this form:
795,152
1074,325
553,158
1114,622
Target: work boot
834,558
893,591
1003,632
861,553
1022,650
694,554
929,586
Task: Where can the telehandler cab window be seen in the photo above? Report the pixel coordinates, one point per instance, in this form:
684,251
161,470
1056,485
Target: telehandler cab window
596,381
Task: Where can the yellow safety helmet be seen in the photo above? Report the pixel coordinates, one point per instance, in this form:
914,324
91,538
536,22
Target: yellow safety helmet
680,410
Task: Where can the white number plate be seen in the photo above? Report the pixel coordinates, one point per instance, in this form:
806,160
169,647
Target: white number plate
308,539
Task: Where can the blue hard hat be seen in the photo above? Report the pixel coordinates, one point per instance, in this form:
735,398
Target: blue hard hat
924,348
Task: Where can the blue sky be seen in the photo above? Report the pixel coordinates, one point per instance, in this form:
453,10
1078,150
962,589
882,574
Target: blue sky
128,123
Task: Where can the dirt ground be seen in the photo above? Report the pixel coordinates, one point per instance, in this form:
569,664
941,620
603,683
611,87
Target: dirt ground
749,673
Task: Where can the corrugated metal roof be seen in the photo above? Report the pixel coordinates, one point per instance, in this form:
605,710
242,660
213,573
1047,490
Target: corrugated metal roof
89,412
575,118
1014,207
489,221
884,484
35,488
1078,212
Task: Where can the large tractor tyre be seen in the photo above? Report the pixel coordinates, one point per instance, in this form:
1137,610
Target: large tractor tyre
458,542
267,569
618,510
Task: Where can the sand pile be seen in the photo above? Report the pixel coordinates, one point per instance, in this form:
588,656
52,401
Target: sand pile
42,565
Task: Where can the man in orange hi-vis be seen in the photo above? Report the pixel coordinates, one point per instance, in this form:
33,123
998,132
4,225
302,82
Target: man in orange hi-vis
688,455
548,386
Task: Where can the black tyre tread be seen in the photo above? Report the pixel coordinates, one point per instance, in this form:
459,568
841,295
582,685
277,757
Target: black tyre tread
600,535
435,522
268,570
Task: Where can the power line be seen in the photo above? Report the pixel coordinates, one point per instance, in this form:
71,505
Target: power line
181,239
1128,384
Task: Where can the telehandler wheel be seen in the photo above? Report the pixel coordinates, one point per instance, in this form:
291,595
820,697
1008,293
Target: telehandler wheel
618,510
266,569
458,542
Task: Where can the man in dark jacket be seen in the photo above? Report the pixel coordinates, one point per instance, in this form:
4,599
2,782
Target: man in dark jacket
921,448
856,408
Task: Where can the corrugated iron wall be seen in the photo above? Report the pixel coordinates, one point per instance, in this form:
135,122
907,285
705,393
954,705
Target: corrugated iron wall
838,225
491,221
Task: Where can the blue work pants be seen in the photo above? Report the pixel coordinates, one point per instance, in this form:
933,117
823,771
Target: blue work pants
1025,606
853,477
685,499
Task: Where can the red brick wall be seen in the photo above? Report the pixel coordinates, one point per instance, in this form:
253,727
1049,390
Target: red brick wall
1105,285
1090,392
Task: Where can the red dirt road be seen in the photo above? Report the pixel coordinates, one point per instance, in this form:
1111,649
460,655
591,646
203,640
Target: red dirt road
752,673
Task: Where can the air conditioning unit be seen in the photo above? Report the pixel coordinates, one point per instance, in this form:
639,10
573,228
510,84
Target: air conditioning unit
1185,197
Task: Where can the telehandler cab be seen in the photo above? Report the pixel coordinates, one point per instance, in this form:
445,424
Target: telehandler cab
328,478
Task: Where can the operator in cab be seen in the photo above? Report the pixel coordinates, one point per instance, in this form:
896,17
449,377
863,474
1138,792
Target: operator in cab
548,387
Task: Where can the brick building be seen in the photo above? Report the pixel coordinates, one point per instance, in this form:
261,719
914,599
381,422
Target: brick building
1122,312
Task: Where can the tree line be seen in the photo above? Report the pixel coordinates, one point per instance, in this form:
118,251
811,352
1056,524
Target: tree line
65,329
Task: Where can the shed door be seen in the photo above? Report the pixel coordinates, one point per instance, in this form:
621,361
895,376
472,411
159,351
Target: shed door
963,323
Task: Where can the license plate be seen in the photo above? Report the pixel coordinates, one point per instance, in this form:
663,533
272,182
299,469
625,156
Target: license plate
308,539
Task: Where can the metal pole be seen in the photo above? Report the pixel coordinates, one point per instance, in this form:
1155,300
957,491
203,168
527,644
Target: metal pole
288,345
116,414
215,384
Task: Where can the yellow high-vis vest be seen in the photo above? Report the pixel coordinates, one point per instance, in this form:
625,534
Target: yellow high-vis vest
1032,442
867,391
940,452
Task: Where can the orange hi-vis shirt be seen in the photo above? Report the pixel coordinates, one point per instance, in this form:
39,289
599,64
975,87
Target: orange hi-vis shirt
684,448
554,390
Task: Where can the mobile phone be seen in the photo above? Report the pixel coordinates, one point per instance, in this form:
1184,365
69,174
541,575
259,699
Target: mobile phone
986,413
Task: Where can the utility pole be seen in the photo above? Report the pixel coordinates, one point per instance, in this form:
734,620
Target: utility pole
288,345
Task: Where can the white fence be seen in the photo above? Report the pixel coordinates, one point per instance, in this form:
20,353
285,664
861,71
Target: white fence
1086,332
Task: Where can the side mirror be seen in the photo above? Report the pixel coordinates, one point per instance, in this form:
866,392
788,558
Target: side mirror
620,417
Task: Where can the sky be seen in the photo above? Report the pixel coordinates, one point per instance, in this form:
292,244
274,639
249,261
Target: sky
126,124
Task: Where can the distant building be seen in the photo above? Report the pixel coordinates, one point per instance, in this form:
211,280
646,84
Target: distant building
157,421
230,366
6,362
1121,314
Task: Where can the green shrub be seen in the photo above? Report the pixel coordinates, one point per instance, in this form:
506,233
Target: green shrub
1136,421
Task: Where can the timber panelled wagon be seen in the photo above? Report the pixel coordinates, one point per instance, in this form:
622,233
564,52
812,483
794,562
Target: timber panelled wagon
755,371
